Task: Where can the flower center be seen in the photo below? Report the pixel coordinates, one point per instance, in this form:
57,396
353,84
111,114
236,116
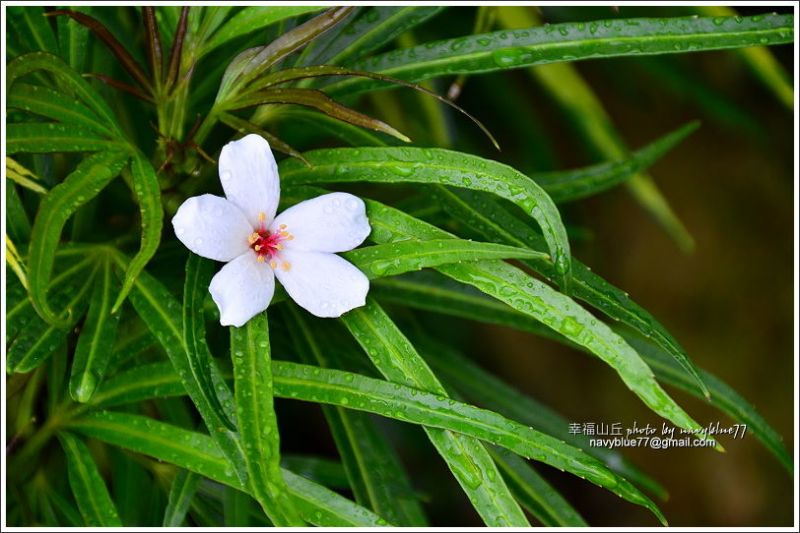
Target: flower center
267,244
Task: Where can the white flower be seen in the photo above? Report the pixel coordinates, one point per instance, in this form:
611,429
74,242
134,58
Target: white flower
297,246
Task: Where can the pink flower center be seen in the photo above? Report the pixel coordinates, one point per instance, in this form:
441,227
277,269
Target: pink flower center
267,244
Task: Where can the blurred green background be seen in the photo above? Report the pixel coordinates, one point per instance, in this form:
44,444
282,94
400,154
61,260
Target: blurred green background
729,301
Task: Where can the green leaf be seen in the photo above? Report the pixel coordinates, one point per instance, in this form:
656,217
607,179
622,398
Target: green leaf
35,340
571,41
198,453
41,138
162,314
492,393
251,19
18,225
535,493
72,40
760,61
352,391
723,396
67,78
571,185
24,178
83,184
90,491
31,23
468,460
324,471
55,105
493,222
183,489
585,110
372,28
258,425
198,277
407,256
374,471
416,406
96,340
148,194
534,298
437,166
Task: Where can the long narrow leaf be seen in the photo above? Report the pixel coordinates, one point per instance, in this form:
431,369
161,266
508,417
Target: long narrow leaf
83,184
444,167
162,314
41,138
198,453
148,194
374,472
530,296
258,425
572,41
67,77
494,222
181,493
88,486
198,276
93,350
53,104
469,461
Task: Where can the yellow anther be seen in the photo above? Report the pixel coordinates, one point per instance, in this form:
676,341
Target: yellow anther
279,247
273,264
262,217
286,266
257,247
253,237
289,237
282,226
260,259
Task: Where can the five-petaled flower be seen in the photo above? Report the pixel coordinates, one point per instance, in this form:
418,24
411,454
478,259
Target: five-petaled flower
298,246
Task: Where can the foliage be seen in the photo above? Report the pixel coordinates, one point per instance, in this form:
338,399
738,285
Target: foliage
117,370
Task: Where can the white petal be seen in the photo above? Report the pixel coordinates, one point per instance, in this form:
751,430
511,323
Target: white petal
249,176
334,222
323,284
242,289
212,227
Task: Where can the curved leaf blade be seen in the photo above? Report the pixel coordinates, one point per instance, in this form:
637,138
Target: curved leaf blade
442,167
83,184
69,79
468,460
148,195
416,406
534,298
491,220
373,470
90,491
198,453
52,104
